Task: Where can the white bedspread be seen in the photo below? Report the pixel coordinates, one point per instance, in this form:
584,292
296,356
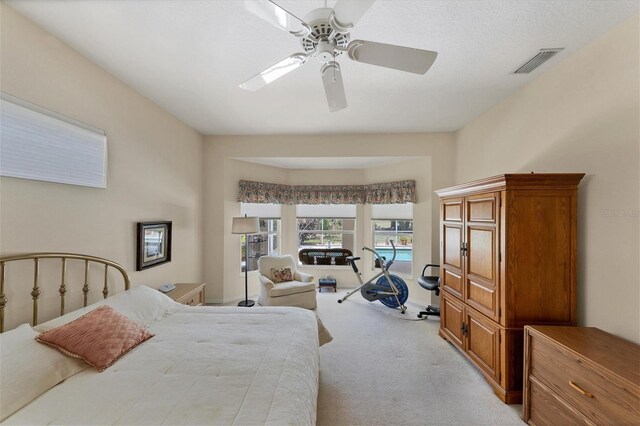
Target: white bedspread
205,365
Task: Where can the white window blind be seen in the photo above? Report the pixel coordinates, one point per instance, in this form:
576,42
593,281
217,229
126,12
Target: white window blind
392,211
326,210
270,211
42,145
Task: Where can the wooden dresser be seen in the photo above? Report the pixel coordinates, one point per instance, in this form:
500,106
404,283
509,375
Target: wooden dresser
508,259
578,376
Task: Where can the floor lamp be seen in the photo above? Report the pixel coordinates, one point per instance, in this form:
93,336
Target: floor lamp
245,225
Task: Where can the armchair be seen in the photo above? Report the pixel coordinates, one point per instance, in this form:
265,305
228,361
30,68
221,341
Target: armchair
300,292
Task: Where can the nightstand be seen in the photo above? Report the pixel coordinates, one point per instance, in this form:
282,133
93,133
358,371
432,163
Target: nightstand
188,294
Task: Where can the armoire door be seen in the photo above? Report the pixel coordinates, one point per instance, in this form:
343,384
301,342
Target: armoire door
481,253
452,234
483,343
452,319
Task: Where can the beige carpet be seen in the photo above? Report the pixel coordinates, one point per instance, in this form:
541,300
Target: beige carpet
383,368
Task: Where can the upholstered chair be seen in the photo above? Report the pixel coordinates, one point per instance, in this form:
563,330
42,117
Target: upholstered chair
300,291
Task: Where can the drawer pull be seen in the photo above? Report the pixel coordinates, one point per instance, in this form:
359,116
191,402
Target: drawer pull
579,389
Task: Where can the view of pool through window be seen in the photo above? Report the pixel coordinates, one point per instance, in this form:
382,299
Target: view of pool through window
400,231
401,254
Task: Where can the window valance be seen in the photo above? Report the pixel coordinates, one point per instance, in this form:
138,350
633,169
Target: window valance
377,193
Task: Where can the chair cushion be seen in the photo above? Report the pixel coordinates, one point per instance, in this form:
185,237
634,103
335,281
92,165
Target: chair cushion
291,287
430,283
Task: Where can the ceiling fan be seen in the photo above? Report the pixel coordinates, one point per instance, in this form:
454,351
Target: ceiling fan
325,35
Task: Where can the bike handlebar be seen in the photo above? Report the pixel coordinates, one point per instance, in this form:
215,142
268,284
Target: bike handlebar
380,259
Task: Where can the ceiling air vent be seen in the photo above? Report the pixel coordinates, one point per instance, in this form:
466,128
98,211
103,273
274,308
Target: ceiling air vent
538,59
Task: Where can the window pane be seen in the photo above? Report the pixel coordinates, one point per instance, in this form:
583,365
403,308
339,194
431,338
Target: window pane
348,224
307,239
309,224
332,224
405,225
320,240
384,225
332,240
383,240
404,240
273,244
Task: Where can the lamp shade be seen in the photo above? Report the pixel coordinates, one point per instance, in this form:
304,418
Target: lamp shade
245,225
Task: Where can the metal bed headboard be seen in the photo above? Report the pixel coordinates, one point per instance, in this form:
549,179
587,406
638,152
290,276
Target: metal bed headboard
35,291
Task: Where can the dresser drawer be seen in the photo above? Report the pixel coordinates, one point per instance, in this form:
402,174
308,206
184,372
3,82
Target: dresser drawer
601,398
547,409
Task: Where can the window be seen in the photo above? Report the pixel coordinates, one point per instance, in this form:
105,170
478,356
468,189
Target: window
400,231
267,242
394,222
315,232
43,145
324,227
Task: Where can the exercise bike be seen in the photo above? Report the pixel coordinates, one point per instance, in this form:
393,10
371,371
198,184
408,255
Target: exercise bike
389,289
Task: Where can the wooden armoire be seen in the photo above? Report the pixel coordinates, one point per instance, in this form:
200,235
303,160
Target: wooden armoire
508,259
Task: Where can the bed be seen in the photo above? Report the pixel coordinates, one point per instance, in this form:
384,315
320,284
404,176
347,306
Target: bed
205,365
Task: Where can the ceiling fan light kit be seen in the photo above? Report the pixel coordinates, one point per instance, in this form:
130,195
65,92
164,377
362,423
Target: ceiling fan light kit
325,36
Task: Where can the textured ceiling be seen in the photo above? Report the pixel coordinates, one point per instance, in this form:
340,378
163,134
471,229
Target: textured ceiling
190,56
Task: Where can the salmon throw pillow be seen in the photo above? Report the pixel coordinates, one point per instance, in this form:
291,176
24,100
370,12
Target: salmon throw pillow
99,337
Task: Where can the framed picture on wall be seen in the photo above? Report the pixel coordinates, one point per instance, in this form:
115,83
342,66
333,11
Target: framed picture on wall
154,244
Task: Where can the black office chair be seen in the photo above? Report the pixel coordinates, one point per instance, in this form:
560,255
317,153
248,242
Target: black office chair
431,283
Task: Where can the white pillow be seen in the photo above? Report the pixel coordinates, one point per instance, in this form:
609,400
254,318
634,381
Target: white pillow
141,304
29,369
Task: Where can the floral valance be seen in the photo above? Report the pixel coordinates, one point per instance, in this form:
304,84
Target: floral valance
377,193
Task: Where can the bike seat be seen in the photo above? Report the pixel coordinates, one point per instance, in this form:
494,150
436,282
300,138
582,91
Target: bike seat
352,258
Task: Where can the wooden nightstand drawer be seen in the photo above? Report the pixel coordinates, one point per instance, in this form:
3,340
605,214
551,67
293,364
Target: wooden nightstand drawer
188,294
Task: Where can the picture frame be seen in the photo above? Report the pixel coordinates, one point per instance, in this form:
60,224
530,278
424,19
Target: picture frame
153,244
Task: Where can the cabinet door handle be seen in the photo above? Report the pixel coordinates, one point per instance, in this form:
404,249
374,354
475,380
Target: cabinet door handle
579,389
464,329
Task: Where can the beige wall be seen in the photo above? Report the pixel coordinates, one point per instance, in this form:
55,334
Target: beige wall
581,116
432,168
154,164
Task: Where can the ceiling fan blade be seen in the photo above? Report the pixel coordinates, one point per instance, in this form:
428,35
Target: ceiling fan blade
277,16
274,72
349,12
333,87
401,58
